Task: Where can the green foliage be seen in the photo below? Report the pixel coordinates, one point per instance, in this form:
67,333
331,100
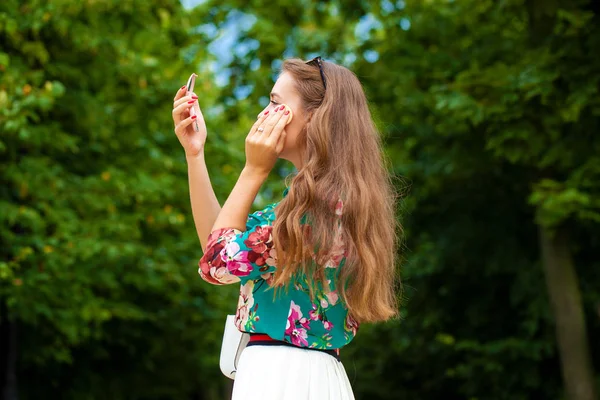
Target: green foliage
99,253
491,116
496,132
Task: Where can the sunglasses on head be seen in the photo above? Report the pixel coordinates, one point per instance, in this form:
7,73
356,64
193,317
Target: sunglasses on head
318,61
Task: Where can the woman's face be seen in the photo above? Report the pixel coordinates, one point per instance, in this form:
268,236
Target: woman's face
283,92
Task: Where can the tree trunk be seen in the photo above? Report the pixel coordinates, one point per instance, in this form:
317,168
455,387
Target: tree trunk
8,350
565,297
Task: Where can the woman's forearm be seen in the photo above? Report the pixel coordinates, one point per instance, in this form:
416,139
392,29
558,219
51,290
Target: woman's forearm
234,213
205,206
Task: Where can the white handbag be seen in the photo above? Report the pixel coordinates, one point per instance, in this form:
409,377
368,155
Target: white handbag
234,342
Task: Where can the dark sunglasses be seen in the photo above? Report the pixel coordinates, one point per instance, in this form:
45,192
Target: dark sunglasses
318,61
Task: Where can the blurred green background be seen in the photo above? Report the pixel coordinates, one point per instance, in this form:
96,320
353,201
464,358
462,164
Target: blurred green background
490,115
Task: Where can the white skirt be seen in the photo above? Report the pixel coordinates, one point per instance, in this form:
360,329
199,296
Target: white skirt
288,373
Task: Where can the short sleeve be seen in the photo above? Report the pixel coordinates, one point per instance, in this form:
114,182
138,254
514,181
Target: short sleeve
232,255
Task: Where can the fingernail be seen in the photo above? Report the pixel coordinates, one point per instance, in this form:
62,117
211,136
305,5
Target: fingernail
282,108
194,97
191,101
286,113
266,112
277,109
194,116
183,87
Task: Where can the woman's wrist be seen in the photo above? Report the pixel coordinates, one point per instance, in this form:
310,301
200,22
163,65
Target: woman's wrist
255,174
198,156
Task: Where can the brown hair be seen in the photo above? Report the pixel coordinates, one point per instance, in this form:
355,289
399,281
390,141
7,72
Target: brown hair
344,160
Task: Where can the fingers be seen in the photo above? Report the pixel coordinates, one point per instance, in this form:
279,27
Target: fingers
278,129
180,93
181,105
273,120
183,124
184,99
260,121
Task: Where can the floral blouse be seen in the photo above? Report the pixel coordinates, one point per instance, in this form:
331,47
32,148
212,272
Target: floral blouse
233,256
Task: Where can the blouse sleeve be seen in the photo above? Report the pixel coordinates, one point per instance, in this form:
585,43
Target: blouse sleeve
232,255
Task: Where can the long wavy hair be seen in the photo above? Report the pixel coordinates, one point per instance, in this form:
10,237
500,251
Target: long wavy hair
344,161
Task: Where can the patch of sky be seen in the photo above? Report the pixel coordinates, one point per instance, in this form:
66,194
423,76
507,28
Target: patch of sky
227,43
387,7
213,111
224,41
222,76
263,101
289,52
241,49
349,59
405,24
371,56
242,91
334,11
254,64
189,4
208,30
362,30
276,68
310,56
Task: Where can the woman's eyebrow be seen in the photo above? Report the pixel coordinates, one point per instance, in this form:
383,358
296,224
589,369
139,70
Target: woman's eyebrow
273,94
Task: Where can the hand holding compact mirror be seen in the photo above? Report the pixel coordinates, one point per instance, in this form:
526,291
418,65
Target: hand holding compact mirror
195,109
189,123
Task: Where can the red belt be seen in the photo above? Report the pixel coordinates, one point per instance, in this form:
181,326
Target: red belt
261,338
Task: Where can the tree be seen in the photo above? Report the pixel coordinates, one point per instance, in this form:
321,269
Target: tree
492,119
98,274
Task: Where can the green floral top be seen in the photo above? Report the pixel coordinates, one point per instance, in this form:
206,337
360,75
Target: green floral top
233,256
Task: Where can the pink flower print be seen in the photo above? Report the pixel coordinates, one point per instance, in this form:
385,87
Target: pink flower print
339,207
258,239
304,322
222,275
338,250
351,325
332,297
324,303
237,261
295,313
260,243
241,317
314,313
298,335
271,259
213,269
327,325
268,277
245,303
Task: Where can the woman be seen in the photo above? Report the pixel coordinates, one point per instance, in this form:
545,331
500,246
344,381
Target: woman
309,277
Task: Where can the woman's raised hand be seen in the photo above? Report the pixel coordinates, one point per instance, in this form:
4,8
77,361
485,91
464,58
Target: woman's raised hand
266,139
192,141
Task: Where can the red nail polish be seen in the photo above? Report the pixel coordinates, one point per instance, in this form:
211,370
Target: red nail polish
266,112
191,101
282,108
194,97
183,87
277,109
194,116
286,113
